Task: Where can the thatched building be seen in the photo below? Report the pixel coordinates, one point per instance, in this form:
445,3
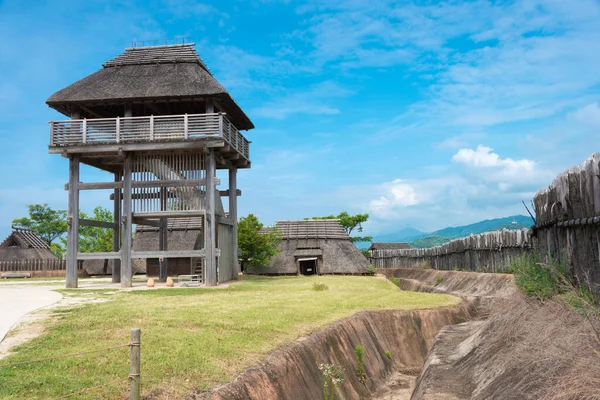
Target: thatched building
183,234
390,246
23,244
309,247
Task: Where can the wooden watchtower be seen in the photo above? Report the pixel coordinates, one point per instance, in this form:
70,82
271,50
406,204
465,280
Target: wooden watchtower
158,121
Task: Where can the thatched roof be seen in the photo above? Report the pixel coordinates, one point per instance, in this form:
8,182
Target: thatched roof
24,244
310,229
183,234
150,73
390,246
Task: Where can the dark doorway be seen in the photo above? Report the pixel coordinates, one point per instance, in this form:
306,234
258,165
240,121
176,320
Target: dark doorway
308,267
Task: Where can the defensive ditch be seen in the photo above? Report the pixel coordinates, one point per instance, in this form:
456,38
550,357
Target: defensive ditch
479,352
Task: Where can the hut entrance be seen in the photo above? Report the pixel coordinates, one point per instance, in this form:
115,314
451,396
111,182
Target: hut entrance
308,266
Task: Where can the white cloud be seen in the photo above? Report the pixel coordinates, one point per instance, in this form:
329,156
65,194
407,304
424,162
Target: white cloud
489,166
588,115
398,194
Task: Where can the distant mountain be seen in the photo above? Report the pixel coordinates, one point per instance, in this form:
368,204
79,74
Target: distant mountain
422,240
514,222
403,235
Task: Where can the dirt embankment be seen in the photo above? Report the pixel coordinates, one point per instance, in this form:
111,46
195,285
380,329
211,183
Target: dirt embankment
523,349
393,341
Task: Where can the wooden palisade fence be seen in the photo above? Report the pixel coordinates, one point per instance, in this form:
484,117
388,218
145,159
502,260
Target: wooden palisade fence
487,252
32,265
568,218
566,229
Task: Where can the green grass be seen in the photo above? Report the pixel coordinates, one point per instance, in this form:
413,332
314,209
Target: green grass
191,338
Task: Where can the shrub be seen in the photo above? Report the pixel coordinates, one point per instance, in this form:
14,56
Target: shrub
538,278
438,279
388,355
319,287
332,376
371,270
395,281
360,365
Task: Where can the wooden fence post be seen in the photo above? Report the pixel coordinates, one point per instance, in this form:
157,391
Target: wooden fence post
134,364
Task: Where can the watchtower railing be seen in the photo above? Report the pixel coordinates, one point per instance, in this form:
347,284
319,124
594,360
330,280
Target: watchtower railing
77,132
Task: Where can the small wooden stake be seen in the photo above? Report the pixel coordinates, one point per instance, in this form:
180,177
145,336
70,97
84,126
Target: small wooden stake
134,367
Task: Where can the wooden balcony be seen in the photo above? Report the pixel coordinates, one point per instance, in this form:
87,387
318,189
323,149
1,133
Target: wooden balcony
146,130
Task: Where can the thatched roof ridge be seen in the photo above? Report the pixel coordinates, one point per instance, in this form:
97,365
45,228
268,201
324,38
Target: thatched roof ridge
390,246
310,229
150,73
23,244
24,238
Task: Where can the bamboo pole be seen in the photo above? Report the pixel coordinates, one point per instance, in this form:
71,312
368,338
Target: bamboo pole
134,364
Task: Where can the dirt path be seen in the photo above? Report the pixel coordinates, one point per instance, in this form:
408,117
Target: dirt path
17,302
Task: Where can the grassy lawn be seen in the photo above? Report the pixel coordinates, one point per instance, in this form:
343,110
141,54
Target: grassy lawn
191,338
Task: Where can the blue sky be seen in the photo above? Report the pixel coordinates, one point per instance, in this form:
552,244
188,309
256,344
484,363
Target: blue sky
420,113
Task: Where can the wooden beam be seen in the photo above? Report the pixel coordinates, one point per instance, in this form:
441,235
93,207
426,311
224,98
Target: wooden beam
224,221
73,226
210,262
169,214
211,142
145,221
163,244
225,193
142,184
233,217
136,196
116,269
97,224
169,254
126,264
110,255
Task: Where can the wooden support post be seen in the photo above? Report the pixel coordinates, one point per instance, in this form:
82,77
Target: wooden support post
233,218
126,267
163,268
116,264
210,262
135,355
210,106
73,219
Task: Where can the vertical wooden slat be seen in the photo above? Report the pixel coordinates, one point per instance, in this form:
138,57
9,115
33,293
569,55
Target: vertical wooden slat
126,263
233,217
116,263
210,268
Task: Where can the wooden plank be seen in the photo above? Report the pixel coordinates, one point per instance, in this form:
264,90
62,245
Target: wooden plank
169,214
143,184
73,227
233,217
169,254
126,265
111,255
116,263
224,220
225,193
97,224
145,221
210,264
197,143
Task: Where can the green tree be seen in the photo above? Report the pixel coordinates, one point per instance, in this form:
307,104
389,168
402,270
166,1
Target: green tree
93,239
256,249
351,223
47,223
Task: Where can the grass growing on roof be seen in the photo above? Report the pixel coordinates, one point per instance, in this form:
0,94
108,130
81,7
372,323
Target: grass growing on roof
192,338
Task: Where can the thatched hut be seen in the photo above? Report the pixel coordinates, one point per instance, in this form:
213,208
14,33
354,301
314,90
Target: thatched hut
23,244
390,246
182,234
309,247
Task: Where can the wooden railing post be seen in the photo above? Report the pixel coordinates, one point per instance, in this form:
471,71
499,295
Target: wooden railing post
221,133
186,134
118,129
84,130
51,133
134,364
152,127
